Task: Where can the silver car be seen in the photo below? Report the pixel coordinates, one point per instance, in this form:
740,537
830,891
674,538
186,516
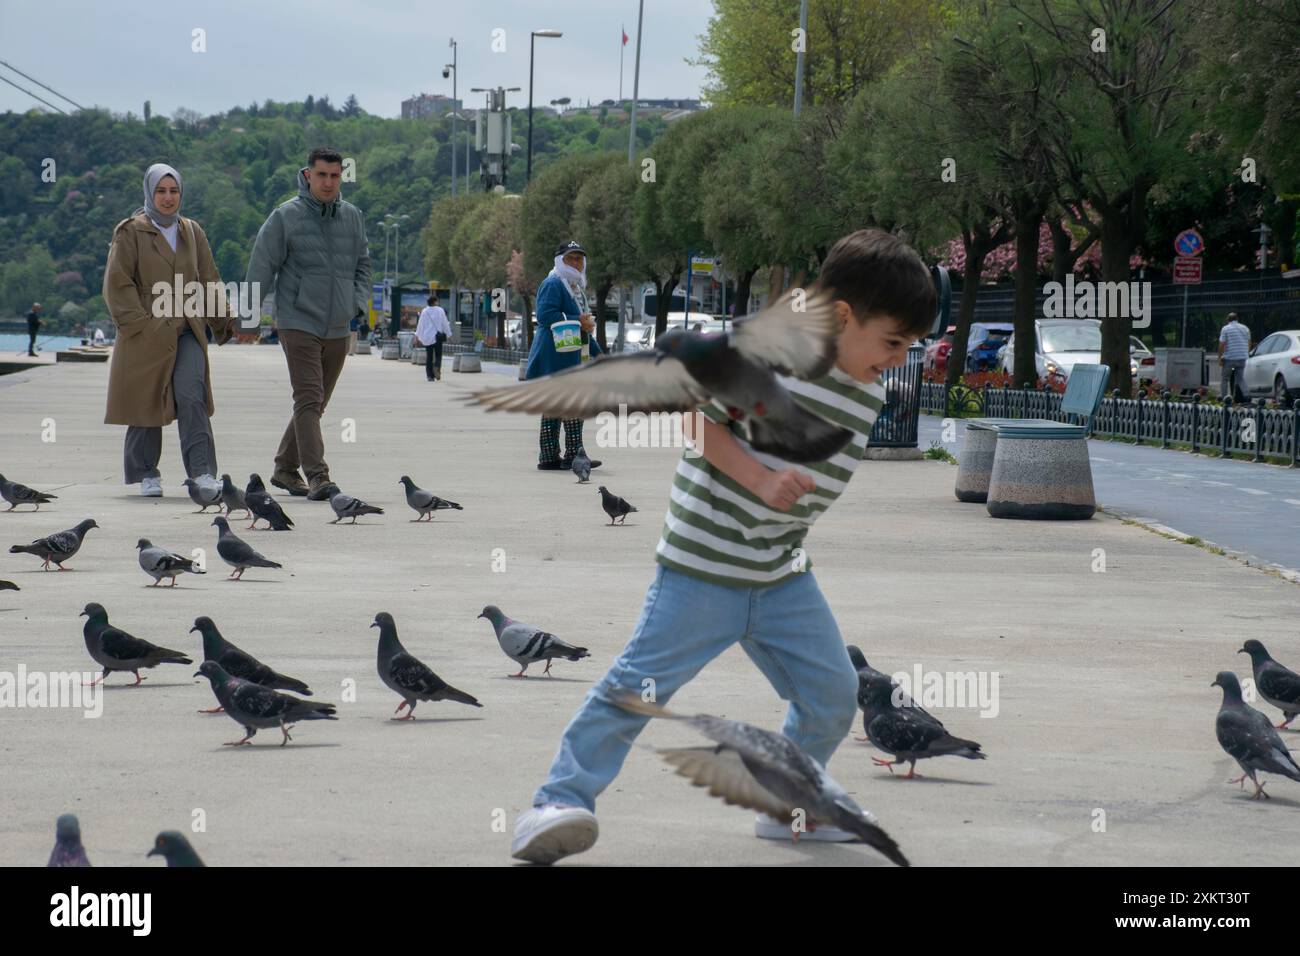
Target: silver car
1273,368
1064,343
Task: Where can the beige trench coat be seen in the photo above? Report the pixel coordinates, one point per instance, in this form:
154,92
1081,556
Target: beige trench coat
144,356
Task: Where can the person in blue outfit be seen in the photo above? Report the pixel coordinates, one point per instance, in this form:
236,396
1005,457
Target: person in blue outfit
561,297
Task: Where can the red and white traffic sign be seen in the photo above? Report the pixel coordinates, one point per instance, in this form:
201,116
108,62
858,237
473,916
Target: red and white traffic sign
1189,243
1187,270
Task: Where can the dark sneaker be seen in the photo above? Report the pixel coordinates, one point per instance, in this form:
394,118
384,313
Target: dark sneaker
322,491
290,483
555,465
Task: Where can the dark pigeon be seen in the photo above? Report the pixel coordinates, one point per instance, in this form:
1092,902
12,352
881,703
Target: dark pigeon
614,506
57,547
262,505
407,676
255,707
581,467
17,494
865,673
908,733
345,506
1278,685
239,663
203,497
424,503
116,650
1249,737
175,849
9,586
236,552
160,563
68,850
525,644
232,497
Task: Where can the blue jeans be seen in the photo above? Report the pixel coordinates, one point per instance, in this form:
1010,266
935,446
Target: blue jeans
787,630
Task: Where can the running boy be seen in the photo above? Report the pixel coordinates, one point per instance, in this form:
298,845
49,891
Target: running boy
727,569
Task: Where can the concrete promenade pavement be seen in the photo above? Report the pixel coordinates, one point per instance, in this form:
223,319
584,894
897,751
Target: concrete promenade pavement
1104,700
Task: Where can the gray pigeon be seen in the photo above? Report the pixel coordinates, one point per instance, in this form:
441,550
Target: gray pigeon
908,734
17,494
255,707
685,369
160,563
581,466
116,650
205,498
407,676
239,663
1249,737
57,547
232,497
1278,685
614,506
236,552
68,850
262,505
865,673
172,846
424,503
765,771
345,506
525,644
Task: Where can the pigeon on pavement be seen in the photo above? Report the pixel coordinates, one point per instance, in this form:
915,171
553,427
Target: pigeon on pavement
68,850
57,547
17,494
160,563
581,467
738,369
232,497
9,586
908,733
345,506
236,552
865,673
263,506
205,498
175,849
407,676
255,707
1278,685
525,644
239,663
116,650
766,771
614,506
424,503
1249,737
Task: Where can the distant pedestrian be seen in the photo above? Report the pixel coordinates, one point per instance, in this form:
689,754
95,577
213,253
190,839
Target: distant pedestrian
312,250
431,331
1234,348
33,326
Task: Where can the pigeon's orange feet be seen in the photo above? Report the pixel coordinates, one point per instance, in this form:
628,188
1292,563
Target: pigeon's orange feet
883,763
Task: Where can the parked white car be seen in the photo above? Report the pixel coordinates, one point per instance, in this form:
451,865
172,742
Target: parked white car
1273,368
1064,343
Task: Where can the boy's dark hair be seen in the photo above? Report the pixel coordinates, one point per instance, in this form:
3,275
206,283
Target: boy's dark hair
433,300
326,153
877,273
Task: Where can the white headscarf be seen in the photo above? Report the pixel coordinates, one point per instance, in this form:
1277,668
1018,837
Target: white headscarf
575,280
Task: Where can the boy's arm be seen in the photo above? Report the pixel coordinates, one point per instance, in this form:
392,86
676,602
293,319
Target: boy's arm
779,490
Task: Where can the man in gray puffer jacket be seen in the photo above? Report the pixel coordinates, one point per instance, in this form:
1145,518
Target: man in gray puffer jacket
312,250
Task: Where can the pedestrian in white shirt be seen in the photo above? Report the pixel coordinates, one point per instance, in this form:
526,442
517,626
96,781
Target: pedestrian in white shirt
431,331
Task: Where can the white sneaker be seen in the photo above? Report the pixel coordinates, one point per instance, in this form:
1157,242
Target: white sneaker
151,488
551,832
209,484
770,828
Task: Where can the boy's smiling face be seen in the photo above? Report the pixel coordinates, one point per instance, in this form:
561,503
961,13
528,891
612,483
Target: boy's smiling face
867,349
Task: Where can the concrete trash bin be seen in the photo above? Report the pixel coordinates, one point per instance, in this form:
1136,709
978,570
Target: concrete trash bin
975,466
466,362
1040,474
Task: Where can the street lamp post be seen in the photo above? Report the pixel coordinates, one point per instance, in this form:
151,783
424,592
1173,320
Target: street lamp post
532,43
454,76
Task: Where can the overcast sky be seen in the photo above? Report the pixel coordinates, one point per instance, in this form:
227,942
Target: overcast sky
118,54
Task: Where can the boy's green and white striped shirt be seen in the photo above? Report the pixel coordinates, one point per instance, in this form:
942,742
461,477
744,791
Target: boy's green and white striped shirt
717,530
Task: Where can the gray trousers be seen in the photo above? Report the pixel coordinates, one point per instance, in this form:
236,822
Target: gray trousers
1237,366
198,448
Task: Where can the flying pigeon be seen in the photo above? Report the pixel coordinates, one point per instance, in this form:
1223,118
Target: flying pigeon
765,771
232,497
1249,737
160,563
1278,685
614,506
525,644
581,466
738,369
175,849
408,677
239,663
57,547
263,506
345,506
907,733
204,497
236,552
116,650
255,707
68,850
865,673
424,503
17,494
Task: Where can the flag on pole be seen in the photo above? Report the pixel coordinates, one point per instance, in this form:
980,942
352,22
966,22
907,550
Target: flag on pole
625,38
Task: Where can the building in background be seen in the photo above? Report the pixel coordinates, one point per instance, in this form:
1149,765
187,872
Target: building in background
428,104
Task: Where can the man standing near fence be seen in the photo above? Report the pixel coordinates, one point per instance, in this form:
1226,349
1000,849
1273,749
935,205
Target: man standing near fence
33,326
1234,348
